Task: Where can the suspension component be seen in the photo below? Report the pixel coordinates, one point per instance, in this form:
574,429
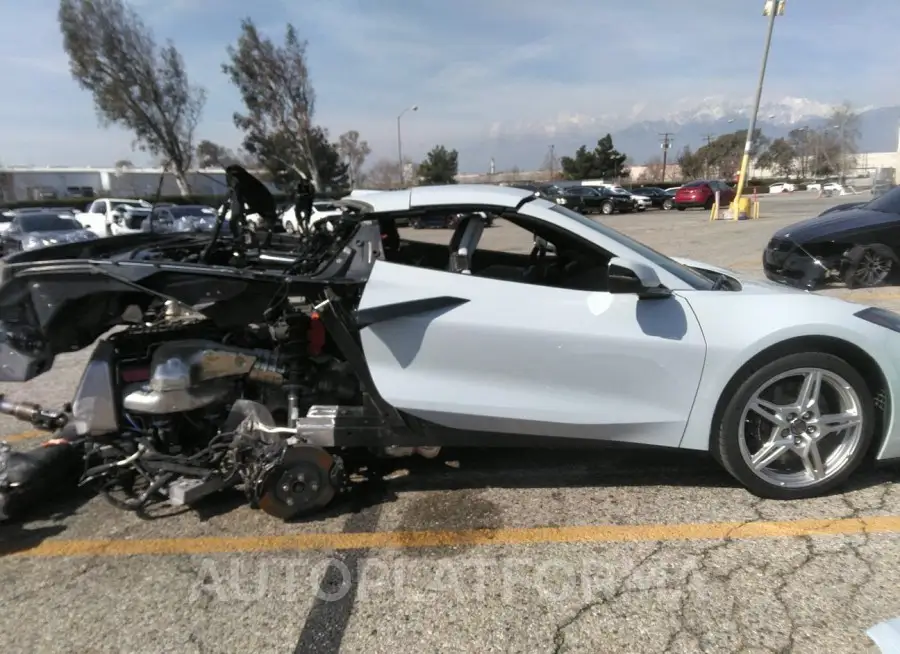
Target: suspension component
33,413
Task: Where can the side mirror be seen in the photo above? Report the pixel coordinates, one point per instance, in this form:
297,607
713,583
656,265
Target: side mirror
635,278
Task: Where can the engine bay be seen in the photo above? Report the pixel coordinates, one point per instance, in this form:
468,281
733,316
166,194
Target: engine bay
233,360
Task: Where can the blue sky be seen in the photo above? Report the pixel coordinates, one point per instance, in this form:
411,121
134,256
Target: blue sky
475,67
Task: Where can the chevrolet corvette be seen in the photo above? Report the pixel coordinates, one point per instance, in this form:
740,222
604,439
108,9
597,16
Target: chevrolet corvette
274,362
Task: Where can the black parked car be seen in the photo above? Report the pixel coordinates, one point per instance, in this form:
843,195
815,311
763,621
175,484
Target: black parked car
659,198
443,220
857,243
589,199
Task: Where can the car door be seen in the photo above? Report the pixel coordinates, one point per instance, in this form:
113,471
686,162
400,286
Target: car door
495,356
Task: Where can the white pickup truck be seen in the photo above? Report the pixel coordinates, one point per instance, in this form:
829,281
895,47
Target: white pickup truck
101,215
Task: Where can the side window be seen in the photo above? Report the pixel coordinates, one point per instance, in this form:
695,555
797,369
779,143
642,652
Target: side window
561,260
99,207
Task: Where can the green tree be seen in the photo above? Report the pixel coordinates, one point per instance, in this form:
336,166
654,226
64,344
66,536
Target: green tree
604,162
439,167
801,140
825,146
780,157
274,84
692,164
135,84
213,155
330,167
354,153
722,157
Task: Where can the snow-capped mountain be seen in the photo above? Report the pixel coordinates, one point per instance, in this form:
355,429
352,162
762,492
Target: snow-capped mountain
786,111
637,132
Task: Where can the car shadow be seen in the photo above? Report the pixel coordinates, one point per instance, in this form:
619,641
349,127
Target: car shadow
509,468
378,481
26,532
381,481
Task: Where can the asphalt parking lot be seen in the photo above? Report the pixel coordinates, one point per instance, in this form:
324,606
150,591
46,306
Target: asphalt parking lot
618,551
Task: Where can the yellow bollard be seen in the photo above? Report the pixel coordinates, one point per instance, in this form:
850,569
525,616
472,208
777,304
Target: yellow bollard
756,210
743,210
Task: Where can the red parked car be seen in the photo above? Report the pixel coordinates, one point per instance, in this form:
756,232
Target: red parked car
702,193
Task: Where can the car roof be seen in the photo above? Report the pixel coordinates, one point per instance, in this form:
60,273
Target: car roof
448,195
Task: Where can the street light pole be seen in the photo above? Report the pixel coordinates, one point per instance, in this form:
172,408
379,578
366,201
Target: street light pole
774,7
415,107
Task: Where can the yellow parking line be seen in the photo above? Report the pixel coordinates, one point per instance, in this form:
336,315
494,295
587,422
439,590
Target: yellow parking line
24,436
420,539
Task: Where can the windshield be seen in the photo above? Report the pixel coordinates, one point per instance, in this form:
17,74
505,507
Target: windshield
47,223
887,203
685,274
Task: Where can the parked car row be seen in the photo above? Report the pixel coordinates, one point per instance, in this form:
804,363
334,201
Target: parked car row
588,197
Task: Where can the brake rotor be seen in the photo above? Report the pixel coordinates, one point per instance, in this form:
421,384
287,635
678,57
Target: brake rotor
304,482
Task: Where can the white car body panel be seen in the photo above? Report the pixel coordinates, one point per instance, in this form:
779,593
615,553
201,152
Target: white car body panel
635,384
615,368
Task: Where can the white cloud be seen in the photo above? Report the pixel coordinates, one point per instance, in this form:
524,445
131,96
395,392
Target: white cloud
479,70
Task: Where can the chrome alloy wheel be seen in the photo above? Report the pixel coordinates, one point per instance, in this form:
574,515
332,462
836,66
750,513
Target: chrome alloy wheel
801,428
873,269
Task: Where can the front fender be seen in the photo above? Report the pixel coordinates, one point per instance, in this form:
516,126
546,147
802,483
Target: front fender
740,326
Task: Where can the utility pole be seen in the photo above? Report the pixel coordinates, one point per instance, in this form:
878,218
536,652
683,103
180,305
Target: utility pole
666,144
709,139
551,158
773,8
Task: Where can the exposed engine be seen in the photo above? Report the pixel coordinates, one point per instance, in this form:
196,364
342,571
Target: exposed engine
240,364
203,410
180,410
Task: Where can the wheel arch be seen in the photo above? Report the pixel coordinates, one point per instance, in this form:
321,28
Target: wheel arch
857,357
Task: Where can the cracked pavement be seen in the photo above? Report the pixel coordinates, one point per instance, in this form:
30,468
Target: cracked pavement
684,591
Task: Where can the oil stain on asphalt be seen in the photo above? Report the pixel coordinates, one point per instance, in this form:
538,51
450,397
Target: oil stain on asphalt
444,511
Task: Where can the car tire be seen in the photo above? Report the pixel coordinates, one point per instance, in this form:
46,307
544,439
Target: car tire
606,208
869,266
668,205
730,445
708,205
